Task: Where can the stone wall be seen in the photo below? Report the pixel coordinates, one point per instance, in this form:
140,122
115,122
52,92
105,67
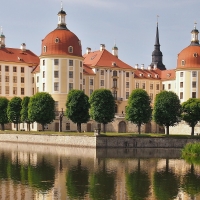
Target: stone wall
97,142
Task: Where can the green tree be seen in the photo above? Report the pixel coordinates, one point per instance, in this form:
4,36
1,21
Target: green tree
191,112
77,107
41,108
14,109
167,109
102,106
3,114
138,109
24,112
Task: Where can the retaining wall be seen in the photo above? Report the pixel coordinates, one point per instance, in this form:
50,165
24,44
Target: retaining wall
97,142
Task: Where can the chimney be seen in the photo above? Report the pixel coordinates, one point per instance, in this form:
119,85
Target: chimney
142,66
102,47
136,66
88,50
23,47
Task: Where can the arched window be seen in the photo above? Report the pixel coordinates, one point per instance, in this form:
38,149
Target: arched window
114,73
70,49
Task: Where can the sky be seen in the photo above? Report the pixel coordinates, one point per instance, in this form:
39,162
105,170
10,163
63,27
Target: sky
131,24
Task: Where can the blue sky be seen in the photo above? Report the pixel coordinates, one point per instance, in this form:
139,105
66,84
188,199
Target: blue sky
132,23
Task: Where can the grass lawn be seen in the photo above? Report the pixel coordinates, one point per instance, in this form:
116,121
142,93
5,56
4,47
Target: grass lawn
107,134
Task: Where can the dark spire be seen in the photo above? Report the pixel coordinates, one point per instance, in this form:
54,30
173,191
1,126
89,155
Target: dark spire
157,54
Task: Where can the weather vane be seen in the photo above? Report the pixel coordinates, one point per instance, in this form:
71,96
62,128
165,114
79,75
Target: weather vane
61,5
157,18
195,23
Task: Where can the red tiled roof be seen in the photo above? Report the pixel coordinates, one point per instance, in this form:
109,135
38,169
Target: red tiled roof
104,59
87,70
168,75
19,56
147,74
36,69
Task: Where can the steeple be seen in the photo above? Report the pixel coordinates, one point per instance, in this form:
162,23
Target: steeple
61,18
157,54
194,36
2,39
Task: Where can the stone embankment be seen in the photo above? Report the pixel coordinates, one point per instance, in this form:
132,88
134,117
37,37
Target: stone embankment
97,142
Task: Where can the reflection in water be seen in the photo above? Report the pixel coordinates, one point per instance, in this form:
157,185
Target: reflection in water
50,172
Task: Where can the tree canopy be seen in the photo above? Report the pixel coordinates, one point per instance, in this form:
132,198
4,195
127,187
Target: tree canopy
138,109
77,107
41,108
13,111
102,106
167,109
191,112
3,114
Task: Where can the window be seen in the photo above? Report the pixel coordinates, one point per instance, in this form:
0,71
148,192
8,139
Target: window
56,86
43,86
127,95
80,75
114,82
91,81
115,94
157,86
22,79
56,106
7,68
151,86
0,78
56,40
14,69
181,95
193,94
194,84
7,89
44,49
163,86
43,74
137,85
14,90
194,74
43,62
127,84
181,84
37,79
114,73
0,89
32,91
102,72
81,64
56,74
143,85
70,74
6,78
67,126
169,86
182,62
83,81
102,82
0,67
33,80
181,74
56,62
22,91
71,63
70,86
91,91
37,89
127,74
70,49
151,96
81,87
22,69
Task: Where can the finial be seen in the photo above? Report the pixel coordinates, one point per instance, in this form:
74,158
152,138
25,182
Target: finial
114,42
1,30
157,18
195,23
61,5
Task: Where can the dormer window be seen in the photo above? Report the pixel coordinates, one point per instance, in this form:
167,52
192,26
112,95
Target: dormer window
182,62
149,75
70,49
45,49
156,76
195,55
57,40
141,75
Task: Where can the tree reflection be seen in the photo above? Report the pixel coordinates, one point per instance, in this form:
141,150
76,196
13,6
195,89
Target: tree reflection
166,184
3,166
41,176
191,183
138,184
102,185
77,181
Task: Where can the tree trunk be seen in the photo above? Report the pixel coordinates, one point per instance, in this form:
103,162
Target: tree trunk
139,128
79,127
104,128
17,126
28,126
192,131
2,127
42,127
167,127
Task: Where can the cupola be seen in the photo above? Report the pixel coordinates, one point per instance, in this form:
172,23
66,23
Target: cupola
61,18
2,39
194,36
115,51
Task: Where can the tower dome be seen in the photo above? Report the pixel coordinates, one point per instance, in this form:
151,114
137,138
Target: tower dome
61,41
190,56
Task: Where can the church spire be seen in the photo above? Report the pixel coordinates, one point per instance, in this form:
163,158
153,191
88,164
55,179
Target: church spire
157,54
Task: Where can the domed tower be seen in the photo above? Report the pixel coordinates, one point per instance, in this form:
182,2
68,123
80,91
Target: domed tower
188,69
157,54
2,39
60,63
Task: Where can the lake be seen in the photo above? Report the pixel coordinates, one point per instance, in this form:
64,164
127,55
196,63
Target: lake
56,172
